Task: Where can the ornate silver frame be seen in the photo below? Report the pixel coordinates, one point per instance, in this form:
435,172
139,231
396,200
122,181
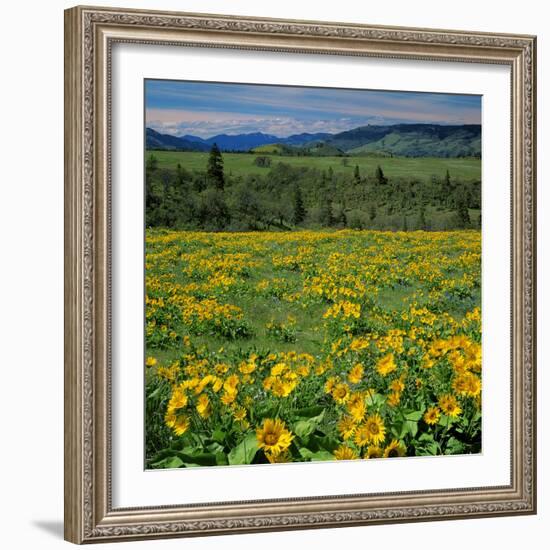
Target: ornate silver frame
89,36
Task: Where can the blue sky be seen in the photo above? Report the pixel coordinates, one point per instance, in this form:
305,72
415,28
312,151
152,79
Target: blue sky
206,109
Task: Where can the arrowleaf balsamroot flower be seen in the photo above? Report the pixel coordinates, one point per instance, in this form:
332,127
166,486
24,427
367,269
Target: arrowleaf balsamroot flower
273,437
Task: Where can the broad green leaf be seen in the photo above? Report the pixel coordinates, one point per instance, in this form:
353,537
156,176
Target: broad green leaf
309,412
445,420
218,435
415,416
221,459
215,448
169,462
426,444
410,427
245,451
304,428
454,446
375,400
325,442
398,429
316,455
198,459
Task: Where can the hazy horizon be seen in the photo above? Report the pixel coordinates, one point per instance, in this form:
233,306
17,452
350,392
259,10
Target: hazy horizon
205,109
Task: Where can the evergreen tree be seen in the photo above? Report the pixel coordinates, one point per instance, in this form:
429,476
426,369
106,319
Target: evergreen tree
214,169
405,226
447,181
356,174
299,209
326,216
379,175
463,214
446,188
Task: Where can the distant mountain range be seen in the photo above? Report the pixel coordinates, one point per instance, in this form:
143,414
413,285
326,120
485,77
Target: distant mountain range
409,140
156,140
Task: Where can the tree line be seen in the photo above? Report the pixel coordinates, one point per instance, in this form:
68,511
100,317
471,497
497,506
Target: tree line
287,197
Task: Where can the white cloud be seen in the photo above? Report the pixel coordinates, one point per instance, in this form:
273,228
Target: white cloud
209,124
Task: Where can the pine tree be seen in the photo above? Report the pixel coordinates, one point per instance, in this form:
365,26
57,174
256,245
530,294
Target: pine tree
462,210
356,174
447,188
379,175
326,215
299,208
447,181
214,169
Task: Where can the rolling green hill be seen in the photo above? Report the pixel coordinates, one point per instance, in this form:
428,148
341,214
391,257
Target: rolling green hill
412,140
419,144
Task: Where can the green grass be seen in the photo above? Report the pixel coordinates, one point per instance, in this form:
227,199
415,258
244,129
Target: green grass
467,169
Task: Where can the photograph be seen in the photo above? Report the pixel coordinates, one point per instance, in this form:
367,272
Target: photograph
312,273
300,273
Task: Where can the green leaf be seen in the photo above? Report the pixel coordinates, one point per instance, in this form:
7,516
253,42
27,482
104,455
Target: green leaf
169,462
415,416
198,459
375,400
218,435
309,412
221,459
445,420
325,442
245,451
410,427
154,393
426,444
316,455
454,446
215,448
398,429
304,428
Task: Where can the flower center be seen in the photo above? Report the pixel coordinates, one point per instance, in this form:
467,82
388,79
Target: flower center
270,439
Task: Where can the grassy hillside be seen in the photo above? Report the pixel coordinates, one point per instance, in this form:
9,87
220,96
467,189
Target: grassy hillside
271,149
466,169
412,140
418,144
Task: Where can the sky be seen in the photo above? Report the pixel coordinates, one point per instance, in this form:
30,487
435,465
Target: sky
206,109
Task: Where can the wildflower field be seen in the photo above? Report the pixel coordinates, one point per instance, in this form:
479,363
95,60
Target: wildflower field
311,345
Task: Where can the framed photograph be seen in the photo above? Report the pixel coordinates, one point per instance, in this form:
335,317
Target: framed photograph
300,274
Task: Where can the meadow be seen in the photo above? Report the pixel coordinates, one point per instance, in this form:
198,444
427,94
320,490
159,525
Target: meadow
293,346
423,168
